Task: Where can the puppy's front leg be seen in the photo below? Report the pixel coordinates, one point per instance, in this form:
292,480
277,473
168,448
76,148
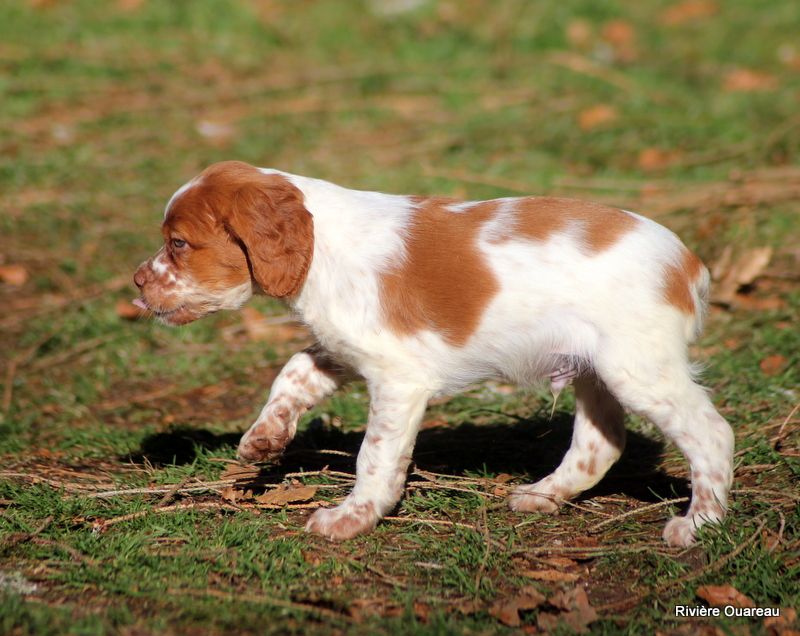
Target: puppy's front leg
308,377
394,416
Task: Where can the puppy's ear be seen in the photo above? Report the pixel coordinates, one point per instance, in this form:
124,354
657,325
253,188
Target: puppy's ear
268,218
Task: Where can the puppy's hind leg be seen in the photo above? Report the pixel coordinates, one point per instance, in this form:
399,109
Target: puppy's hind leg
598,437
662,390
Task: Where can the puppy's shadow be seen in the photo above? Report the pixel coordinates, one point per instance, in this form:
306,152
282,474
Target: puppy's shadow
526,448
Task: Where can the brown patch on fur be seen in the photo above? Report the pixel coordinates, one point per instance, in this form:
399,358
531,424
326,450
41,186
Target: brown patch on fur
240,222
679,280
444,283
539,218
591,469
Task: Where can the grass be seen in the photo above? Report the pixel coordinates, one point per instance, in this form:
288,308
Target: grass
108,107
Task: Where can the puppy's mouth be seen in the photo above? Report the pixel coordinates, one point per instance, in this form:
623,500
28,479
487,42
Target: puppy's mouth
180,315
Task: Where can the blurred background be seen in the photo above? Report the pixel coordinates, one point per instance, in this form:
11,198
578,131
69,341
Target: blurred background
687,111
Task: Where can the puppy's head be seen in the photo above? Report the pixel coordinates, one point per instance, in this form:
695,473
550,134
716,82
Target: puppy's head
229,228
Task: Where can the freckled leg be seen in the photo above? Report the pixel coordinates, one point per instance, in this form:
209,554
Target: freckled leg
308,377
598,438
664,392
395,415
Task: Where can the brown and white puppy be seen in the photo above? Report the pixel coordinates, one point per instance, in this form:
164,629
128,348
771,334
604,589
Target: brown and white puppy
425,296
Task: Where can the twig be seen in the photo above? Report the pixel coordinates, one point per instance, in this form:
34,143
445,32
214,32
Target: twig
436,522
658,589
12,366
238,597
172,492
102,524
594,551
44,480
21,537
157,490
585,66
779,436
636,511
487,542
768,493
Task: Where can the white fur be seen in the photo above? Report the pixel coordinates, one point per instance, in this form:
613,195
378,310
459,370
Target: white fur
603,312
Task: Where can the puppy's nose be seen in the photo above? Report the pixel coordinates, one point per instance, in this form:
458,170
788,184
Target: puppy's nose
140,277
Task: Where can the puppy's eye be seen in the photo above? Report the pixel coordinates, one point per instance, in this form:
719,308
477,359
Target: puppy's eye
178,243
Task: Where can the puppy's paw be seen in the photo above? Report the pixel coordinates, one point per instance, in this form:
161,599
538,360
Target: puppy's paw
268,437
343,522
538,497
680,532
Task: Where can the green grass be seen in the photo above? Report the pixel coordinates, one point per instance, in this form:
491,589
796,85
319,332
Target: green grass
101,108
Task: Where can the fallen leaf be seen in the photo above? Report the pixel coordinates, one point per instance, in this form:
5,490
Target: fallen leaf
584,542
579,33
742,80
576,612
239,472
743,271
507,610
618,32
652,159
771,303
721,595
467,606
422,611
129,311
259,328
561,562
781,625
229,493
503,478
130,5
621,35
15,275
773,365
284,495
550,575
596,116
217,132
689,11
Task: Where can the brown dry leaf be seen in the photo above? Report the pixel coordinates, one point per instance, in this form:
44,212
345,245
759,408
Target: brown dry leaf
129,311
130,5
560,562
780,625
576,613
550,575
507,610
229,493
422,611
773,365
216,132
721,595
621,35
743,80
579,33
239,472
503,478
260,329
284,495
596,116
585,542
689,11
361,608
652,159
15,275
743,271
618,32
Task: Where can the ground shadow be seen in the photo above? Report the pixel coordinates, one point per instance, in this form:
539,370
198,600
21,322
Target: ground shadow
528,448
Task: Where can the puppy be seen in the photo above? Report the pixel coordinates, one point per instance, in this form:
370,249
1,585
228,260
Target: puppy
424,296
